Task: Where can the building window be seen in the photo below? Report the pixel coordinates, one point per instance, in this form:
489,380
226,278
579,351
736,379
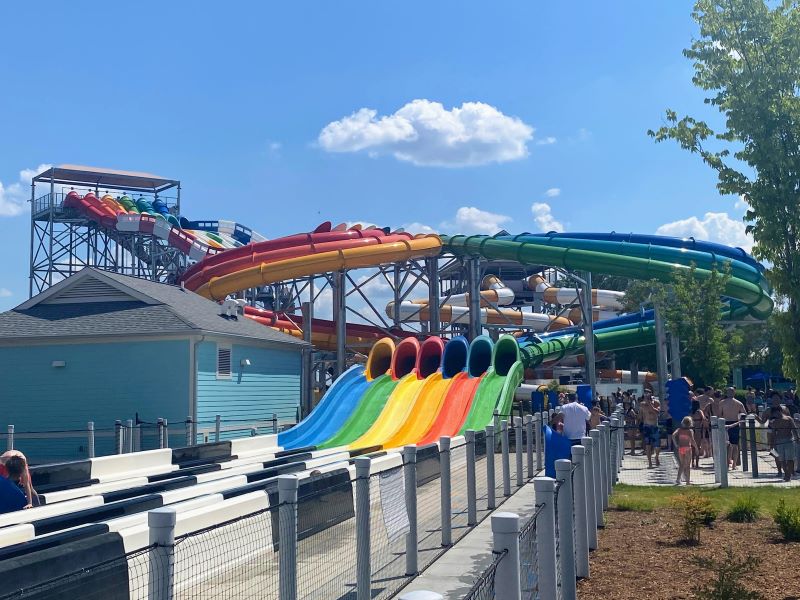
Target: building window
223,362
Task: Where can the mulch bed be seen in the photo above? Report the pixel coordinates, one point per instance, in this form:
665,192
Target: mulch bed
640,555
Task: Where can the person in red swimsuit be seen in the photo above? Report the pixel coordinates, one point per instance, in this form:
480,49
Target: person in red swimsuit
683,440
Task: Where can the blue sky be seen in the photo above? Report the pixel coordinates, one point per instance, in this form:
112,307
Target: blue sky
283,115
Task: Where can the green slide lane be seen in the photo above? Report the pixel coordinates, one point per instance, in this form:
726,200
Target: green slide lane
484,402
608,259
365,414
516,374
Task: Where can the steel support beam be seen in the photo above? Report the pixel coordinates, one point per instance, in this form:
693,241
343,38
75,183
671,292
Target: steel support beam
588,333
432,266
340,318
474,290
674,355
661,353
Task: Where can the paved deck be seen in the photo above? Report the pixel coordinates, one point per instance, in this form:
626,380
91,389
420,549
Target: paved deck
635,472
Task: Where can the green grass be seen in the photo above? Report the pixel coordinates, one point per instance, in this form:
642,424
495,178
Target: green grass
648,498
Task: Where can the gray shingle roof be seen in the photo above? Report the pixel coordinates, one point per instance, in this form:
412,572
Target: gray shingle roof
173,310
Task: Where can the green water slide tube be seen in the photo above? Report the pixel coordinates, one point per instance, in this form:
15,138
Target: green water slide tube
749,291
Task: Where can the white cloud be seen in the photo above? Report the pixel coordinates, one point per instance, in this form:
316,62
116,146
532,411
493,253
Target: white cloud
419,228
546,141
13,197
424,133
741,205
713,227
544,218
553,192
470,220
5,293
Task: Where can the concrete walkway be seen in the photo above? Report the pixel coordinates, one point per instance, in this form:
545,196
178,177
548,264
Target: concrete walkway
453,574
635,472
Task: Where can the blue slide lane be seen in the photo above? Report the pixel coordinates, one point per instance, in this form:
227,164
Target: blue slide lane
331,412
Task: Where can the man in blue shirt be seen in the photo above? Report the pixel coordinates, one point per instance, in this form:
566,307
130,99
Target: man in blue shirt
11,496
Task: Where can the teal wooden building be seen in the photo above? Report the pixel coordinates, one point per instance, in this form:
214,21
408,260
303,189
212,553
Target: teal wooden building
101,347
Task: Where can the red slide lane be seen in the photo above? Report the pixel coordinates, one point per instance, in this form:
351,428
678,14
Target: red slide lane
454,409
292,246
286,321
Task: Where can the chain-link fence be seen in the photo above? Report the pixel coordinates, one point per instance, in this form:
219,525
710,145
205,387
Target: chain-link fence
233,559
483,588
127,576
528,554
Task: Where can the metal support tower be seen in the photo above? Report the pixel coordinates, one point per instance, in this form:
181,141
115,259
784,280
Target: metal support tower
63,241
474,291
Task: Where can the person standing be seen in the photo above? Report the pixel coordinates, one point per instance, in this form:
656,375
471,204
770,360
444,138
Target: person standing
784,438
700,425
648,413
730,409
576,416
683,440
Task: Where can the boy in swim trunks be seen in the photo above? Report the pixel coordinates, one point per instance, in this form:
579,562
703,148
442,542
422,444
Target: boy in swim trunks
684,442
730,409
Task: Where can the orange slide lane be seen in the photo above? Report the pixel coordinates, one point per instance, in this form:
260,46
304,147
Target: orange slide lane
455,408
382,250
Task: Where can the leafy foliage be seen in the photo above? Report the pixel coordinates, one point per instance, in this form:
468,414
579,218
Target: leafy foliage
690,310
726,578
787,518
744,510
696,512
747,59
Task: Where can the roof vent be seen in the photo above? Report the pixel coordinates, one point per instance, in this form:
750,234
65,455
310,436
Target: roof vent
89,289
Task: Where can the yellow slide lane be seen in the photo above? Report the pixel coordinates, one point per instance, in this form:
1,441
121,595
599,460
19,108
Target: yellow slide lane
394,414
427,405
323,262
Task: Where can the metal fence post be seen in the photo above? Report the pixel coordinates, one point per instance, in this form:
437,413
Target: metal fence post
217,427
446,500
496,419
518,450
581,520
491,500
10,438
715,448
544,488
363,566
743,442
751,427
165,432
472,490
90,439
274,423
129,439
723,453
505,538
598,476
410,479
591,506
161,523
527,421
566,541
605,466
538,435
189,440
160,433
614,451
118,446
505,458
287,536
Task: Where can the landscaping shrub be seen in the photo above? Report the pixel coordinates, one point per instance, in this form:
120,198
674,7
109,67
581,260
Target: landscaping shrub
696,512
726,578
744,510
787,518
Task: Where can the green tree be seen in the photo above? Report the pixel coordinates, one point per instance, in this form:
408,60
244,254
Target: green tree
692,308
747,58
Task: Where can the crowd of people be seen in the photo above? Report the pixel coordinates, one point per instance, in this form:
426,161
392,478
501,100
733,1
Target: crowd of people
648,421
16,490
